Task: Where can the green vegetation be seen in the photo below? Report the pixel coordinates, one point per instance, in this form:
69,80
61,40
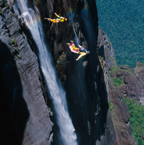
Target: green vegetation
111,107
19,56
36,1
17,49
123,22
61,60
14,41
118,82
136,119
139,64
114,70
107,48
31,123
5,4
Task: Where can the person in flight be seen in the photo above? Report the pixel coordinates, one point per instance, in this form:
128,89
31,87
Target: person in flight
58,19
81,50
62,19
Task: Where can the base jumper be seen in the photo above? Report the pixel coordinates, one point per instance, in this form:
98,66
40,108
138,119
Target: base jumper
81,50
58,19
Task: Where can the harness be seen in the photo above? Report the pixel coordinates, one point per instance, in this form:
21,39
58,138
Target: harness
83,49
75,48
60,17
57,20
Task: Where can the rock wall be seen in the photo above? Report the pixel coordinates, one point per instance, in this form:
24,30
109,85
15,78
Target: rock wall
84,79
118,109
24,110
87,82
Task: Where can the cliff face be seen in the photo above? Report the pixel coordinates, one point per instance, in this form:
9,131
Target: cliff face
83,80
121,82
24,113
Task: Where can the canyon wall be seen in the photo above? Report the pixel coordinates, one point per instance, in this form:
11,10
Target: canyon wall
83,80
89,88
24,113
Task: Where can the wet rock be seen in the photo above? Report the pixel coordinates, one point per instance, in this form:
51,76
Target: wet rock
1,2
84,82
85,63
38,124
108,138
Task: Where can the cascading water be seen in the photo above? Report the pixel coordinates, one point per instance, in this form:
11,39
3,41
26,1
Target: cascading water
72,23
57,94
85,15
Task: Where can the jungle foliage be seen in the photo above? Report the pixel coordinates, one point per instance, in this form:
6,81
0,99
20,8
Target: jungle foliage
123,22
118,82
136,119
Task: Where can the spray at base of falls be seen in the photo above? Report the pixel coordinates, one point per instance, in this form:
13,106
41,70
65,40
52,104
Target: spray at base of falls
57,94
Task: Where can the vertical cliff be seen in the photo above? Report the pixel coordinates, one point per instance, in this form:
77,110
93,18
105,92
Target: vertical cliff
87,82
116,87
83,80
24,113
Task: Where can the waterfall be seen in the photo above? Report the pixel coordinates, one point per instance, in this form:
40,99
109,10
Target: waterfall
57,94
72,23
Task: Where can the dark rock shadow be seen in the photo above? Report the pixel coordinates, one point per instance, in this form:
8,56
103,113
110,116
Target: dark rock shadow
85,88
76,96
13,109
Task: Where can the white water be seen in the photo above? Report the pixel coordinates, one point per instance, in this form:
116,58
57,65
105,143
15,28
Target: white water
72,23
56,92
